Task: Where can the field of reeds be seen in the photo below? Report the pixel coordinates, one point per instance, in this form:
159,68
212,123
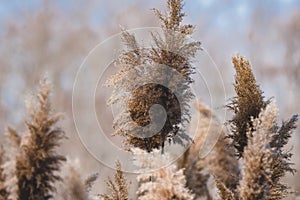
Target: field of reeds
174,140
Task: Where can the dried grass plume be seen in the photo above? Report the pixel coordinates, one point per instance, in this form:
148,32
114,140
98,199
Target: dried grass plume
38,163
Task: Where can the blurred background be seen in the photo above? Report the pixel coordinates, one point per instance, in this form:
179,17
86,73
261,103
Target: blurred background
55,36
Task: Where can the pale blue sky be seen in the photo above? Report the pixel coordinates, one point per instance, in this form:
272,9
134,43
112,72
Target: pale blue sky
218,9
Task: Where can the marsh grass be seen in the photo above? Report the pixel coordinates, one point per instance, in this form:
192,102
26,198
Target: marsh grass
247,162
171,49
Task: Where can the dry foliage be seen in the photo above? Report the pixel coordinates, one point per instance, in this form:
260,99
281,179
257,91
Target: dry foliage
220,163
38,163
248,103
256,180
264,163
166,183
224,192
31,166
76,188
246,163
3,189
118,189
264,160
171,49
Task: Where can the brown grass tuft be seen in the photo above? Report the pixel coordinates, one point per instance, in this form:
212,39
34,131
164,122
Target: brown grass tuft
256,180
3,189
75,187
118,190
248,103
220,162
223,192
265,163
38,162
175,16
166,183
172,49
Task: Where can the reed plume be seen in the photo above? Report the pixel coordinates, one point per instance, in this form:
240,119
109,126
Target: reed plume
158,179
223,192
220,162
173,50
75,188
38,162
257,169
166,183
3,189
118,189
264,160
247,103
248,162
